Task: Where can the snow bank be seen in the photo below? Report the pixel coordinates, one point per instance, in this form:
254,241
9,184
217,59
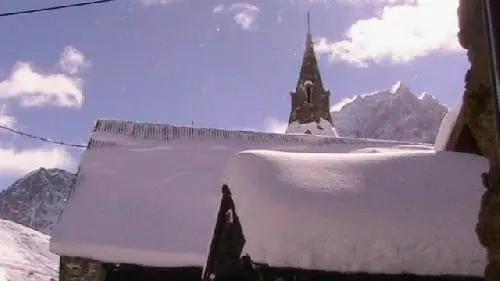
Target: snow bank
25,254
149,194
148,205
389,212
323,128
446,128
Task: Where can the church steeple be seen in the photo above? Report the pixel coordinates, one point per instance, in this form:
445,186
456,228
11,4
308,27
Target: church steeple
309,35
309,69
310,100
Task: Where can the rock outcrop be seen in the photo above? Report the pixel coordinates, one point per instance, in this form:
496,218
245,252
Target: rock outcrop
36,200
478,115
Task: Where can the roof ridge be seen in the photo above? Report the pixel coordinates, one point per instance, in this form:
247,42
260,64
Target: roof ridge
168,133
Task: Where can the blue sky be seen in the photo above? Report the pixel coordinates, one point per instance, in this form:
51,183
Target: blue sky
215,63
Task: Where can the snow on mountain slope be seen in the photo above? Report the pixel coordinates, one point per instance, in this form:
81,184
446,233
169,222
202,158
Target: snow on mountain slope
25,254
396,114
36,199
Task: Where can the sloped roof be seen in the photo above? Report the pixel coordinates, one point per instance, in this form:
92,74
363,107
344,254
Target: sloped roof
171,133
148,194
322,128
455,134
393,212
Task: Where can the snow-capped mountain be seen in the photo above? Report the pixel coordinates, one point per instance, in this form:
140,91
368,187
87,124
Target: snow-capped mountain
395,114
25,254
36,199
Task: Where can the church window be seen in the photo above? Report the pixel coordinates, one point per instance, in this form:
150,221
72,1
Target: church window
309,94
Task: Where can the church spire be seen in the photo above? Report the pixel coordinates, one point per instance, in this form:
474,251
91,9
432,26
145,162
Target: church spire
309,70
310,100
309,40
308,23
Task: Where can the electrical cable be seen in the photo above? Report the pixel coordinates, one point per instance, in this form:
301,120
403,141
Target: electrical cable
53,8
41,138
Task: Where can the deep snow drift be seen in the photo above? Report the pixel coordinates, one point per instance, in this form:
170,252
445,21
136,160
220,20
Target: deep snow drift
25,254
390,212
148,194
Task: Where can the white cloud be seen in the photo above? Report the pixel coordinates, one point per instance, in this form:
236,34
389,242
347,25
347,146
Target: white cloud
274,125
244,14
23,161
28,86
34,88
5,119
72,60
400,32
279,17
218,9
149,3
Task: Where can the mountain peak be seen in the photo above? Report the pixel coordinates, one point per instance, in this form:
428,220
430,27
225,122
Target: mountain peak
395,114
400,88
427,97
36,199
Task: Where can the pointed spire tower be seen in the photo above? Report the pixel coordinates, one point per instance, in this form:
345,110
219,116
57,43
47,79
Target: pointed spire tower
310,112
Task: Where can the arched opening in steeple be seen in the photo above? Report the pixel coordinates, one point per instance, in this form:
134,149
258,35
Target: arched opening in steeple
309,94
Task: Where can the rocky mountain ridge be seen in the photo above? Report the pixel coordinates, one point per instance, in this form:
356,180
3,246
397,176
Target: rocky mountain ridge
36,200
394,114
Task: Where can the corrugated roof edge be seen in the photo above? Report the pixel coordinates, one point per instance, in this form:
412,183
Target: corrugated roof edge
167,133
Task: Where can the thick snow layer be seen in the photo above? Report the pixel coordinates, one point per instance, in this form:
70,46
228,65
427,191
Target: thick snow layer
390,212
25,254
149,194
323,128
446,128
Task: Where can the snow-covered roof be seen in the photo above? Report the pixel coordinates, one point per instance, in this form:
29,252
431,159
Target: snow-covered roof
148,194
446,128
323,128
389,212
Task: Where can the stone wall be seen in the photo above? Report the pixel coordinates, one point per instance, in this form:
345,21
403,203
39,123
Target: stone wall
79,269
478,115
478,109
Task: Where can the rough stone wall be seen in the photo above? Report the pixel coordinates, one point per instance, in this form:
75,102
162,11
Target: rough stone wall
304,112
478,114
478,109
80,269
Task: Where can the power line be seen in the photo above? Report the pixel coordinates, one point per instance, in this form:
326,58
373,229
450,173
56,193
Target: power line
53,8
17,132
